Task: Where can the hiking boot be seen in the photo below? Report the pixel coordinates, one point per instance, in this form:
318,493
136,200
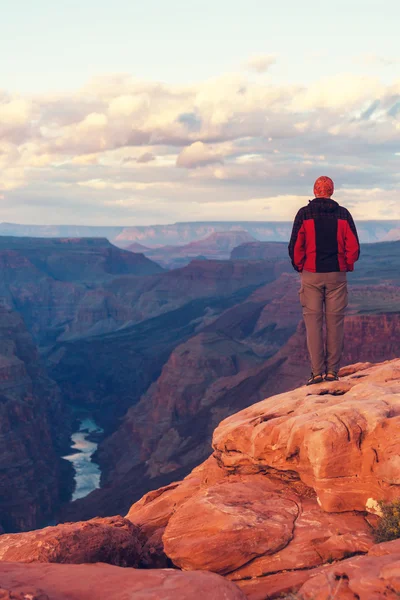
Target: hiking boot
315,379
331,376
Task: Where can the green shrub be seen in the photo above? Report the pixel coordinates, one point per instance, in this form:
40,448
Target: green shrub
388,527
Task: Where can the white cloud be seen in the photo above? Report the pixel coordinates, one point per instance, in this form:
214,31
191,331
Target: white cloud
17,111
197,155
243,144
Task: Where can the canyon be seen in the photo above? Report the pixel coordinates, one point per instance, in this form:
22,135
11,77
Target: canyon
159,357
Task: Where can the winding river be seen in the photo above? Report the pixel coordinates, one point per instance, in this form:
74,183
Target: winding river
87,473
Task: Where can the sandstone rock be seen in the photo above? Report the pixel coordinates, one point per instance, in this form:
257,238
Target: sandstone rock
342,439
227,525
272,495
271,531
374,576
318,538
106,582
113,540
153,512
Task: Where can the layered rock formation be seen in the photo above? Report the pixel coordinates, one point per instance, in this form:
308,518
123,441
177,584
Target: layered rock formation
288,490
113,540
34,430
50,282
376,575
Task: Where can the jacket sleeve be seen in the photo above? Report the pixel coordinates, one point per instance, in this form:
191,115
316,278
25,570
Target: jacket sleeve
297,244
351,244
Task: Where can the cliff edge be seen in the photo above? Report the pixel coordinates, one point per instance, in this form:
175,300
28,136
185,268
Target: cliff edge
286,505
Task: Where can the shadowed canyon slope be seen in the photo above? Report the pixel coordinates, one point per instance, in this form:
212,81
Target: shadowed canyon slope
167,309
34,430
53,283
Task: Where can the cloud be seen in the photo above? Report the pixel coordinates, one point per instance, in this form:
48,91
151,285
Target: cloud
111,148
146,157
260,63
197,155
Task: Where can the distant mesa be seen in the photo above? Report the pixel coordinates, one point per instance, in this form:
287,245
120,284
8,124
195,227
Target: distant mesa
76,258
183,233
216,246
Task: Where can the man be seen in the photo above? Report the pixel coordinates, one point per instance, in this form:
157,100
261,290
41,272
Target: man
323,247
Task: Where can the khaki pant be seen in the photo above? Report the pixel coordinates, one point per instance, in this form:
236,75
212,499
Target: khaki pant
324,293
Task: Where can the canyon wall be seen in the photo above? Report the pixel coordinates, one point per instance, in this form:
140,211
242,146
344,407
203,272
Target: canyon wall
34,431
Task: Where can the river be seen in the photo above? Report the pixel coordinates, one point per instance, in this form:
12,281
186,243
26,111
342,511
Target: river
87,473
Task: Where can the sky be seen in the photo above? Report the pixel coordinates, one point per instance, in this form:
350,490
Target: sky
137,113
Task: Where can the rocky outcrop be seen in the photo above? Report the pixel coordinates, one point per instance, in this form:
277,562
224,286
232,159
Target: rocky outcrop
76,258
112,540
376,575
86,582
34,430
297,432
293,484
286,504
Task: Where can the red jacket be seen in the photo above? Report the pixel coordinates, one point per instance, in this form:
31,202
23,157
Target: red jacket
324,238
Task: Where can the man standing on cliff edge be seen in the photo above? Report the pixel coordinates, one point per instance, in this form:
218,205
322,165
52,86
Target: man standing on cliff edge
323,247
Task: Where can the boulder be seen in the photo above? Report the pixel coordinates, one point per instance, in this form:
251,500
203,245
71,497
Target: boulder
342,439
374,576
229,524
113,540
292,487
